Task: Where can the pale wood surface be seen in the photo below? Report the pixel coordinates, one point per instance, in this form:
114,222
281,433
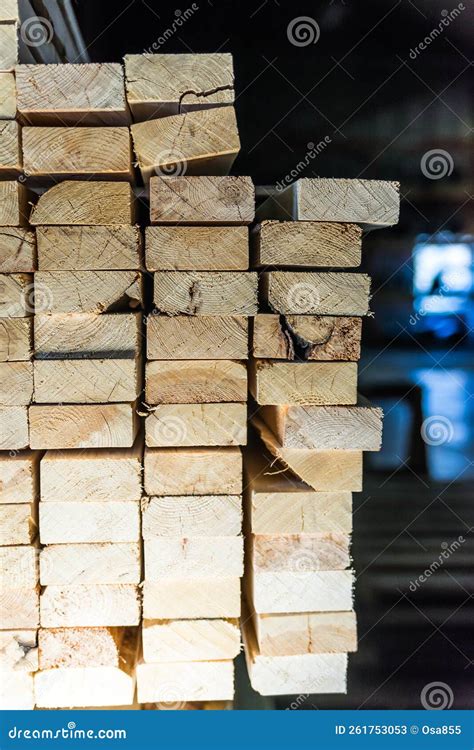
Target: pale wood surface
193,471
9,11
16,383
195,557
314,293
307,243
85,202
72,94
19,608
78,647
10,149
84,686
8,46
82,248
87,291
214,515
194,248
316,383
187,425
202,200
71,522
17,690
14,206
110,605
161,85
84,381
205,292
14,428
7,96
16,295
181,599
199,337
18,650
18,523
80,335
362,201
190,640
301,552
289,591
19,569
306,337
17,250
312,633
71,564
82,426
195,382
19,477
15,339
189,681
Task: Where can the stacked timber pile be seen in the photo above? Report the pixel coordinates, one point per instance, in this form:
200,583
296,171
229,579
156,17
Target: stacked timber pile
9,21
312,425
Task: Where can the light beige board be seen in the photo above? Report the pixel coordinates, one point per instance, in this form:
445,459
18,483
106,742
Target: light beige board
201,200
96,248
78,335
84,686
82,426
70,522
87,291
306,337
193,471
82,647
300,552
18,650
317,383
205,292
85,381
7,96
197,337
307,243
85,203
14,430
19,477
91,476
14,206
19,608
306,633
103,153
189,681
326,427
195,382
16,383
10,149
162,85
17,250
361,201
9,12
174,598
187,425
292,591
17,523
203,516
315,293
15,339
194,557
109,605
72,94
190,640
17,687
16,294
19,568
8,46
194,248
71,564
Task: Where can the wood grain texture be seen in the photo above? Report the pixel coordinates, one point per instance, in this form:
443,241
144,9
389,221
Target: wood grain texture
71,564
202,200
82,426
72,94
17,691
194,248
359,201
16,295
191,681
306,243
10,150
19,477
200,337
109,605
19,569
14,429
18,523
85,203
190,640
83,335
9,12
86,381
8,46
84,686
181,599
77,647
193,471
19,607
15,339
314,383
16,383
300,552
205,292
87,291
307,337
194,557
18,650
14,206
72,522
199,425
314,293
292,592
195,382
81,248
7,96
180,517
306,633
17,250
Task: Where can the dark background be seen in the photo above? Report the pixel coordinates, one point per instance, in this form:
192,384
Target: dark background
383,110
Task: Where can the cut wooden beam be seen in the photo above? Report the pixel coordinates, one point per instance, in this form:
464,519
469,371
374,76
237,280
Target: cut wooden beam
313,293
85,381
14,206
19,568
85,202
81,647
18,523
215,515
197,337
360,201
96,248
291,592
193,471
190,640
19,607
326,427
19,477
17,687
10,149
83,426
110,605
162,85
19,651
83,335
72,94
194,558
91,476
72,522
202,200
307,337
7,96
205,292
77,153
306,633
191,681
87,291
9,12
186,425
195,143
16,383
16,295
316,383
306,243
195,382
195,248
300,552
15,339
71,564
17,250
8,46
14,432
181,599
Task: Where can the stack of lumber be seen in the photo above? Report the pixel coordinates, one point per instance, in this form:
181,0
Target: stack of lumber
314,429
9,20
